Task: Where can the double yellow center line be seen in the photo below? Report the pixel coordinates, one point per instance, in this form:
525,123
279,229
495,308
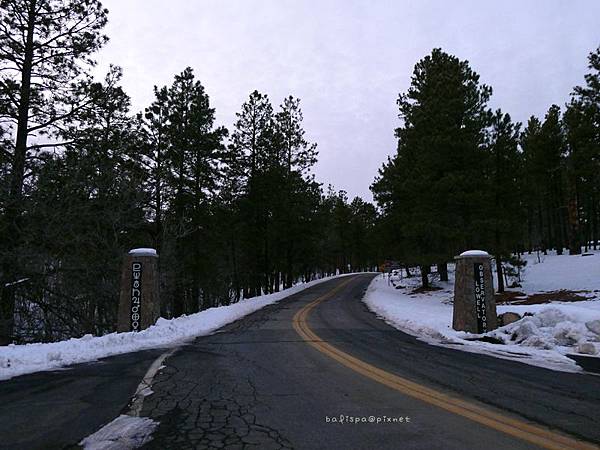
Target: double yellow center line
534,434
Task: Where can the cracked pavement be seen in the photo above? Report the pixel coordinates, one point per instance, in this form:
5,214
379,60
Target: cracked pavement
255,384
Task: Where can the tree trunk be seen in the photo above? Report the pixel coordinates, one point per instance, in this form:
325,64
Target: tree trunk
424,276
499,273
235,275
267,264
529,231
288,269
573,230
543,244
442,269
594,232
550,222
18,164
13,207
194,305
178,300
7,313
559,217
560,243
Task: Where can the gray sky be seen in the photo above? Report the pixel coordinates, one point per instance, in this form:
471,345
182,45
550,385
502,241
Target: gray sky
348,60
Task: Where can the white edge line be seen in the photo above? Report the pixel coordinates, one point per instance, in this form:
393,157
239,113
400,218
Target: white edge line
141,392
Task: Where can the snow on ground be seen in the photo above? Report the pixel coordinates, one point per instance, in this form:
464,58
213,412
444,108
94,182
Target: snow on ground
125,432
543,339
556,272
21,359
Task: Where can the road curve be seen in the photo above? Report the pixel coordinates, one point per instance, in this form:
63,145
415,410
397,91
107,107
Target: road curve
318,370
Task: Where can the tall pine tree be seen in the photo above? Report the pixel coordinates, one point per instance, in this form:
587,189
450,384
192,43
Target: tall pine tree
45,48
440,152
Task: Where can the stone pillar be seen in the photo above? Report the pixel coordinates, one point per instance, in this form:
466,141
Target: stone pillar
474,303
139,305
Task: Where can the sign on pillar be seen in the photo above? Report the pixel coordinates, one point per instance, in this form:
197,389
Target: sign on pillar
474,304
139,305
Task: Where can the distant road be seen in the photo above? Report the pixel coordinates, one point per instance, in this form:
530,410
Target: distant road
287,375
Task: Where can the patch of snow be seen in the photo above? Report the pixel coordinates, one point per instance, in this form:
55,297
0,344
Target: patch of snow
143,252
21,359
14,283
475,253
543,337
125,432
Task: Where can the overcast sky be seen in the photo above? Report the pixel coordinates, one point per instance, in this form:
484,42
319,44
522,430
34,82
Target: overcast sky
349,60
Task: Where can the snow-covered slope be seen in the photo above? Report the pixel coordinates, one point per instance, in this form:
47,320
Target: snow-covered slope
554,330
555,272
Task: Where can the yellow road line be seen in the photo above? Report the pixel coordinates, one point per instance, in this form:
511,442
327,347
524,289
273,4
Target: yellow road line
534,434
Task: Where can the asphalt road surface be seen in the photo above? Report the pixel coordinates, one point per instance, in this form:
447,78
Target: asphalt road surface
317,370
55,410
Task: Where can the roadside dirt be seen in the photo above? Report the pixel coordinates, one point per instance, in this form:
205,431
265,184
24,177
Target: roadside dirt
562,295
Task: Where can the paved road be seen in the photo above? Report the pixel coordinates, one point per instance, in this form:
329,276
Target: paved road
259,384
53,410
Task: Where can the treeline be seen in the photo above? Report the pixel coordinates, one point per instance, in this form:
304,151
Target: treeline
232,213
467,177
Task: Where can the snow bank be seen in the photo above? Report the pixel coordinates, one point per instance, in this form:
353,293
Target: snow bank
542,339
21,359
564,328
125,432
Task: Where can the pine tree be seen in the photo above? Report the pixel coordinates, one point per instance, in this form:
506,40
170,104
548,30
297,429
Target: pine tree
534,180
45,47
582,120
590,93
336,239
154,127
193,157
553,140
504,212
362,228
440,149
251,140
297,155
252,129
583,174
389,190
83,211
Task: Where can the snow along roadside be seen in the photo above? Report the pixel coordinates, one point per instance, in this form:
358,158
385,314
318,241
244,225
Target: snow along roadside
22,359
555,330
129,431
125,432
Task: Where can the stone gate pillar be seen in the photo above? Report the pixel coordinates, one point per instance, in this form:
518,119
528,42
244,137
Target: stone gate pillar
474,304
139,305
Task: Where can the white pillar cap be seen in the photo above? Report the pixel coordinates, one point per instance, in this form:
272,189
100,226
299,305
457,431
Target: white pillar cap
475,253
143,252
